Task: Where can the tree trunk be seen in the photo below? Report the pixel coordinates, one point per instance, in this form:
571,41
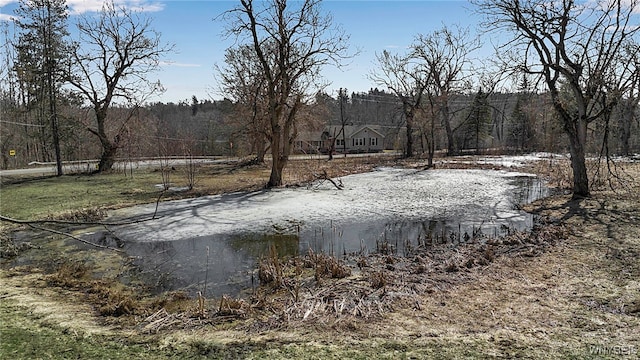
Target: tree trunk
109,148
108,157
625,119
53,112
344,141
409,150
578,165
260,154
275,179
332,146
577,140
278,161
431,143
477,132
444,113
56,144
260,148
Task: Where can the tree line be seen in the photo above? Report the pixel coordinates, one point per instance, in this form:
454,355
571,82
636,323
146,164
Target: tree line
566,78
57,88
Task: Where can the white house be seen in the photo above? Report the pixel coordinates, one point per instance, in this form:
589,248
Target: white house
355,139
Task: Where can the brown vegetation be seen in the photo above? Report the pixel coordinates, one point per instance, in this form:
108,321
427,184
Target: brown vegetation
569,285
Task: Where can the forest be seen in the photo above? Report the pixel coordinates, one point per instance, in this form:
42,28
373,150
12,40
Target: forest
87,98
515,122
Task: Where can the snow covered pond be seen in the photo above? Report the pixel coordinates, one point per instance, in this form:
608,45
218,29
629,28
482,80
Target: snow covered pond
222,237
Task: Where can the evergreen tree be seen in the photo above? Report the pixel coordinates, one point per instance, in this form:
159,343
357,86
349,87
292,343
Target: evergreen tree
478,122
41,56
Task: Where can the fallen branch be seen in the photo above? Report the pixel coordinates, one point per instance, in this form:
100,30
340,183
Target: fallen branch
33,226
67,222
325,177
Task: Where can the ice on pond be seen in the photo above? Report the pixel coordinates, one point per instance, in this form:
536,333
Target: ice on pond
220,238
387,194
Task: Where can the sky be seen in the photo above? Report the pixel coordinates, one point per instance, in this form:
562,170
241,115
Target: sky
197,32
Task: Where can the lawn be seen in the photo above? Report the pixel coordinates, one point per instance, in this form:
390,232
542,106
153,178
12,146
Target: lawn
571,291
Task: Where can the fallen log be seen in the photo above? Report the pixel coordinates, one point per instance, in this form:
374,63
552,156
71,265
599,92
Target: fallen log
325,177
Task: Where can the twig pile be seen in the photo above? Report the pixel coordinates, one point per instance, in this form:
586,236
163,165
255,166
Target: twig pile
160,320
338,300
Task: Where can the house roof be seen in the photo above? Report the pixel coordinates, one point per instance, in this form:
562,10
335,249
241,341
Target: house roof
367,127
351,130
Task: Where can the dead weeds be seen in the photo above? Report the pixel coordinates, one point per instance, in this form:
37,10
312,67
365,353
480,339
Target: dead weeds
568,286
372,286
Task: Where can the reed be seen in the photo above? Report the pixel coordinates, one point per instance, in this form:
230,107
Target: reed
270,269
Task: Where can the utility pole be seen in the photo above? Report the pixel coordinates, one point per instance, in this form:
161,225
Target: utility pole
342,121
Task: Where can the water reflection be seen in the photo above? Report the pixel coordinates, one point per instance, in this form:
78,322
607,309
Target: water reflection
225,264
213,265
528,189
453,228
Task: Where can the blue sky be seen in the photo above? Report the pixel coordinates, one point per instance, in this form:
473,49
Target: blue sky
199,42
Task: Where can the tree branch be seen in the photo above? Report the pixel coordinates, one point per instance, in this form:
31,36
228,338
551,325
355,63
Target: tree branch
32,224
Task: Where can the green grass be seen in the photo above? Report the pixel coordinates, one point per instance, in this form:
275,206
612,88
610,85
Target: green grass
39,198
36,198
22,336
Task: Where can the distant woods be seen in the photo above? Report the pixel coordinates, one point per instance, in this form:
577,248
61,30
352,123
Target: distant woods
512,122
65,99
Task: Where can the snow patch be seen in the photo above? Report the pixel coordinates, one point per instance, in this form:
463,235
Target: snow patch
387,193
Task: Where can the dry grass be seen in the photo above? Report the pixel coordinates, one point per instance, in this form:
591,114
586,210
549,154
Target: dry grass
375,285
575,295
224,178
325,266
566,289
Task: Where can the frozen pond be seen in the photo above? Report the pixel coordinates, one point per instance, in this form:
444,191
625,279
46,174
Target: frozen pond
220,238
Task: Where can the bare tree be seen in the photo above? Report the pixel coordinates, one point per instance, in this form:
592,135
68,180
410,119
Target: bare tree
405,77
446,57
344,118
628,106
334,109
116,52
243,81
292,41
574,46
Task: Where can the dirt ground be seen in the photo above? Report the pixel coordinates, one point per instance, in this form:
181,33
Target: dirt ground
570,289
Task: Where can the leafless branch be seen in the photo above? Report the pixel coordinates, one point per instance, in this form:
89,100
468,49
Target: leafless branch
33,225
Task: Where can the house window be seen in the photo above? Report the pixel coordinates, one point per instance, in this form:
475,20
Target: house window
373,141
339,142
358,142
